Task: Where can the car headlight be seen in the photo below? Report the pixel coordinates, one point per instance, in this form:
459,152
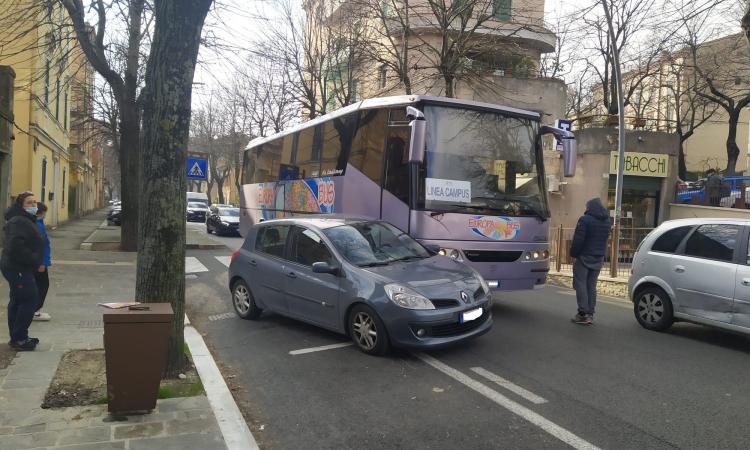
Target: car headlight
535,255
451,253
407,298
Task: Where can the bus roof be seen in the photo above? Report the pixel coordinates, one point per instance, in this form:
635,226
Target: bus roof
380,102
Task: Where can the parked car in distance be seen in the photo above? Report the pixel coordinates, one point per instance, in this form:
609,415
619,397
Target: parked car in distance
223,220
221,205
115,217
364,278
196,212
693,270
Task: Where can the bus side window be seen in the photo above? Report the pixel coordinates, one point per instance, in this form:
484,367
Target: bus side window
396,163
367,149
308,159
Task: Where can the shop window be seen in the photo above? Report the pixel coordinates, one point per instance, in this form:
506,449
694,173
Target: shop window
501,9
713,242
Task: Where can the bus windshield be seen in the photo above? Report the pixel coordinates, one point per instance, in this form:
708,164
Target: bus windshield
480,162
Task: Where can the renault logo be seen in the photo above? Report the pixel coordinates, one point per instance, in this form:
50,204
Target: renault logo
464,297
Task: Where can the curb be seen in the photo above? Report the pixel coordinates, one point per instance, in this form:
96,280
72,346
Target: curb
204,246
232,424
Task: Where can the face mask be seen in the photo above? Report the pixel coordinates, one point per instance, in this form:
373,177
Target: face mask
31,210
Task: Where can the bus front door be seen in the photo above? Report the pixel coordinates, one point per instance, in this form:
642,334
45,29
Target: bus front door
394,203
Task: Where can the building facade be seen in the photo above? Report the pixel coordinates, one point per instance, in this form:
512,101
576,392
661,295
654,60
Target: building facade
40,46
479,50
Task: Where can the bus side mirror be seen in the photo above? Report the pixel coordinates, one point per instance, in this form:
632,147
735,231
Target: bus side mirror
570,152
418,130
570,148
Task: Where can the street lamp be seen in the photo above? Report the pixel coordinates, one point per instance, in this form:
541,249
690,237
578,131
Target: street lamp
620,133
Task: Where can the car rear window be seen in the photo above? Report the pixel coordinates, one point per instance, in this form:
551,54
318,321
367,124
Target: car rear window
271,240
670,240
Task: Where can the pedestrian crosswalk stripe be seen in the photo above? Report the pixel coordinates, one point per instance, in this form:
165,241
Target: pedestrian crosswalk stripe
224,260
192,265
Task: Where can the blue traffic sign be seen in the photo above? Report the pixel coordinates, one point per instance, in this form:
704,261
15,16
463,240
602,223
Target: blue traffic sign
197,168
563,124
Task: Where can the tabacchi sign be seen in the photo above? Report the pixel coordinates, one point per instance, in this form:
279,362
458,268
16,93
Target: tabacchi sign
641,164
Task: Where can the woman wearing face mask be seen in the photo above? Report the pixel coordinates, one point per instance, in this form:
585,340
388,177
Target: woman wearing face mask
23,254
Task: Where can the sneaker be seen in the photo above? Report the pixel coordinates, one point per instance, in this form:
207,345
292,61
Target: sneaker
42,317
25,346
581,319
589,320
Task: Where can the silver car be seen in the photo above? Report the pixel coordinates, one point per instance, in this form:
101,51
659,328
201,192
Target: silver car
694,270
364,278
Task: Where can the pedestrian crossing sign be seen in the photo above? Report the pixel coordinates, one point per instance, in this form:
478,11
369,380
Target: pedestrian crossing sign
197,168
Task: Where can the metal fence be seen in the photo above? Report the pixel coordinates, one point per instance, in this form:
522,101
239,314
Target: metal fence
615,267
729,193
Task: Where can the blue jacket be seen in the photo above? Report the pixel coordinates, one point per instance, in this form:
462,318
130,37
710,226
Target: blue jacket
592,231
47,247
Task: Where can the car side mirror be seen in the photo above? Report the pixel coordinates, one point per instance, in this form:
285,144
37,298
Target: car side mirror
432,248
324,267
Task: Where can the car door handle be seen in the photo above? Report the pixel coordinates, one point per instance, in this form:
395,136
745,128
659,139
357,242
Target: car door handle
291,275
746,281
253,262
679,269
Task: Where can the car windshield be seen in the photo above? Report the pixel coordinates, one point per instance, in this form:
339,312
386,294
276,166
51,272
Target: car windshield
481,163
196,205
231,212
374,243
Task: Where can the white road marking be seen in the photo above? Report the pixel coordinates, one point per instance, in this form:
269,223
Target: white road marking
224,260
226,315
192,265
320,349
92,263
509,385
516,408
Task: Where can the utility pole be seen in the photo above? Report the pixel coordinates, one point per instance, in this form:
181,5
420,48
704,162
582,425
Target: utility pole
620,132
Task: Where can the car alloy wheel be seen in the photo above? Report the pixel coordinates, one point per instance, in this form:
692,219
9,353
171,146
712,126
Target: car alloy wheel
650,307
653,308
243,301
365,331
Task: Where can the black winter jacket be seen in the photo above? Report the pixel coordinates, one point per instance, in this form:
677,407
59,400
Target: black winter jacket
23,248
592,231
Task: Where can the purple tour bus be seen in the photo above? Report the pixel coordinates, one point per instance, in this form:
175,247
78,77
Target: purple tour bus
465,176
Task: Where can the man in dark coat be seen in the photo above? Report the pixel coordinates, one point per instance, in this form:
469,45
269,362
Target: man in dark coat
23,255
588,248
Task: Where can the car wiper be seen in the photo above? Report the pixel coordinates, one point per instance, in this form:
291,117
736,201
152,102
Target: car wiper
408,258
374,264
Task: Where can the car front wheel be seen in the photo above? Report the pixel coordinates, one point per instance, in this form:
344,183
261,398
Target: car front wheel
653,309
368,331
243,301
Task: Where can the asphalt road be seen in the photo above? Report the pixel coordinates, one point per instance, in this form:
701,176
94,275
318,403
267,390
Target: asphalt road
535,381
231,242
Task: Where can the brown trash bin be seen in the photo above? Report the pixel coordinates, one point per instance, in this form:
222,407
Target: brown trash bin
135,347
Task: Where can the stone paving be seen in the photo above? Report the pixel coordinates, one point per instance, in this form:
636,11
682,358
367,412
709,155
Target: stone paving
79,280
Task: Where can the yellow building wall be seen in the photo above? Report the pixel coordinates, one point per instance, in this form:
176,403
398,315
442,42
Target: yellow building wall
39,135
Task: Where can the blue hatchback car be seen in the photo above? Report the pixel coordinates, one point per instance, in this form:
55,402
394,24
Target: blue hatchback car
360,277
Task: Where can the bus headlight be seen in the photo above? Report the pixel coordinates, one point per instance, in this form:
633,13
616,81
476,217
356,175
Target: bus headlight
451,253
535,255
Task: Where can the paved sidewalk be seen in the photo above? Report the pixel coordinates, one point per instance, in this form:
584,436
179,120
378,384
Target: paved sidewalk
107,238
79,280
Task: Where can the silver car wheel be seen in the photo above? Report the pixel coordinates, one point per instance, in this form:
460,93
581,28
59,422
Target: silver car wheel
365,331
242,299
650,307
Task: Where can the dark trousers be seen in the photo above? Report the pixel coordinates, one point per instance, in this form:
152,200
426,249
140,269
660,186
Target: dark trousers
42,283
24,298
584,282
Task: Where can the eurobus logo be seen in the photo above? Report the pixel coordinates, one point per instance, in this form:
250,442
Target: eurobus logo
496,228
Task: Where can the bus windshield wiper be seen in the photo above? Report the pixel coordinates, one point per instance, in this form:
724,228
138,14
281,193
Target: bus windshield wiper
456,207
525,202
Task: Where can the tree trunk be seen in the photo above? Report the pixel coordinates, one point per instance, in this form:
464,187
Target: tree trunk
449,85
129,176
166,126
681,166
733,150
220,190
